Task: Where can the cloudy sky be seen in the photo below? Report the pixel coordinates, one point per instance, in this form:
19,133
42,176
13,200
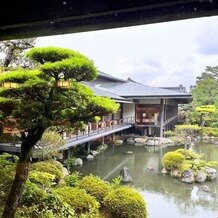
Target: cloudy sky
163,54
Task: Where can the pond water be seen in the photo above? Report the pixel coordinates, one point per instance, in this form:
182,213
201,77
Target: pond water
165,196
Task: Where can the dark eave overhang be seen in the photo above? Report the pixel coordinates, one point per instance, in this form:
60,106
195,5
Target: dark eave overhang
25,18
159,97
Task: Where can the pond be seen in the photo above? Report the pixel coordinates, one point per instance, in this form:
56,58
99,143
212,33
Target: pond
165,196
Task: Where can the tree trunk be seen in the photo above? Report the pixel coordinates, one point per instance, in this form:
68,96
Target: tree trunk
21,175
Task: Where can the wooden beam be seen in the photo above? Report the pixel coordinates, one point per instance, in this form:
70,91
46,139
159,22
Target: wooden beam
161,117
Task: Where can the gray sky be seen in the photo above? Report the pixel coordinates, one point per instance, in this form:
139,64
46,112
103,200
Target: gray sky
163,54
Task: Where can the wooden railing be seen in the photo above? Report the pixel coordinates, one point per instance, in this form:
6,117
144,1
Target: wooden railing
94,128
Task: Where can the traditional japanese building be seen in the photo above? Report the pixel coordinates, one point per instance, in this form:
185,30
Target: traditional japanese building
153,110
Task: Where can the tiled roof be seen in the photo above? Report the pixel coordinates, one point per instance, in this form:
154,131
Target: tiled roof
109,77
134,89
100,91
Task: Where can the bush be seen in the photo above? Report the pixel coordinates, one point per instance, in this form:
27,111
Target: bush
70,162
80,201
188,129
51,167
169,133
73,179
32,194
41,178
208,131
6,159
189,154
95,186
7,173
125,202
51,206
172,160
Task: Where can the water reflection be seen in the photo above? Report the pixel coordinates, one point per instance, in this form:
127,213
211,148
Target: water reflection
164,195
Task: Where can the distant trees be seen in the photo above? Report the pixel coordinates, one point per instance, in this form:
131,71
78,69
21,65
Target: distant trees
205,91
49,95
205,98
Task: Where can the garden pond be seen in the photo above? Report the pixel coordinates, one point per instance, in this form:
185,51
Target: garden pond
164,195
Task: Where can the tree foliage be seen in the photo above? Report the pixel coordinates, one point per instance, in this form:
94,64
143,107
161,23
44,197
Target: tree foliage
205,91
204,109
37,102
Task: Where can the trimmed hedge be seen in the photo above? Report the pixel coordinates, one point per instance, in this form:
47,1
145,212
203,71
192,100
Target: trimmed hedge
125,202
79,200
95,186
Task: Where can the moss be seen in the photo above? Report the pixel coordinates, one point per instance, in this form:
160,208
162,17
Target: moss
95,186
125,202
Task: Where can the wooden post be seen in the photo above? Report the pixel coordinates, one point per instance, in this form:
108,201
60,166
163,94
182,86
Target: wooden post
102,140
161,117
87,147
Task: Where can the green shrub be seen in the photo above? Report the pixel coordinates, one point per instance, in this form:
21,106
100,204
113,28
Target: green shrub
6,158
73,179
42,178
70,162
79,200
125,202
189,154
32,194
116,182
50,207
214,125
95,186
7,173
188,129
208,131
51,167
186,165
169,133
172,159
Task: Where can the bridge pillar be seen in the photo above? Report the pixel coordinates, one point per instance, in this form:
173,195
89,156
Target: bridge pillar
102,141
87,147
113,137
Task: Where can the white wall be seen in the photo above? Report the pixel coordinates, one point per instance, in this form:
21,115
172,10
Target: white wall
128,110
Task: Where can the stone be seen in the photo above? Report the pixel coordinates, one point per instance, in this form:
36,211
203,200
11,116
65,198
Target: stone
94,153
130,140
90,157
129,152
140,140
201,176
150,169
211,173
204,188
118,142
164,171
125,175
78,162
65,171
102,148
174,173
150,142
188,176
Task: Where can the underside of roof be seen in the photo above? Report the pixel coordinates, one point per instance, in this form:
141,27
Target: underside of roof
26,19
